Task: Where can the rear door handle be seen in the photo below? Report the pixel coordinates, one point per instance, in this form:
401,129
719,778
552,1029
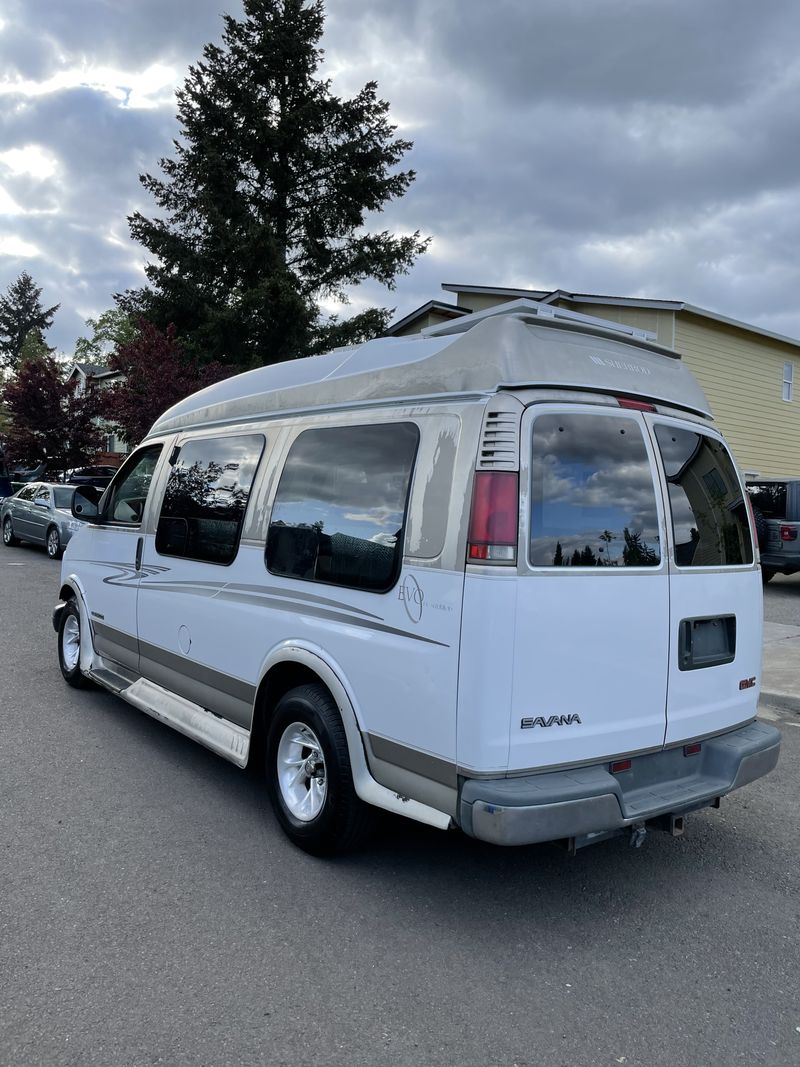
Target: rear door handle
139,547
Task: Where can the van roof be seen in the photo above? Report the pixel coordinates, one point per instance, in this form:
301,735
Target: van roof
517,345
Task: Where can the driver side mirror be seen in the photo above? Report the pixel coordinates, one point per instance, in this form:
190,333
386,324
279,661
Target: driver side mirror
85,501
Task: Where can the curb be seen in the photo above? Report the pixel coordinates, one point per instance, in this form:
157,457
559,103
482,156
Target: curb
784,701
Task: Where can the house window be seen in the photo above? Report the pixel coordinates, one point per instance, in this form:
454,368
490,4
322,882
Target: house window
788,380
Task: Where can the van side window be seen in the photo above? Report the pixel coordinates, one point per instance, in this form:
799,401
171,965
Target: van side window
339,512
593,501
206,498
709,515
127,494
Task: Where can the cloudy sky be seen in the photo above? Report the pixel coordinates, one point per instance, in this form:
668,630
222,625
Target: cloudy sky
628,147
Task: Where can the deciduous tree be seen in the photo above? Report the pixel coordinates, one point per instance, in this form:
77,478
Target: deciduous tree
265,204
156,373
48,420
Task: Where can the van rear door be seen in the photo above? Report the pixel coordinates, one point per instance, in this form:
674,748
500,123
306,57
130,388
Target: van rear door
715,586
591,636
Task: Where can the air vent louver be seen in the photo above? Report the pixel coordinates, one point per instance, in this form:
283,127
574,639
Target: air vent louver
499,449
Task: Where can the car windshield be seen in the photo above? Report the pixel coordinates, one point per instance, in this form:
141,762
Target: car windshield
63,497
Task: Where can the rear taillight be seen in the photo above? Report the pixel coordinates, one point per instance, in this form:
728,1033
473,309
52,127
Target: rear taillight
635,405
788,533
494,517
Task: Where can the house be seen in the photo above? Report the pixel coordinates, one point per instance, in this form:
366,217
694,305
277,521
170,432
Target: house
748,373
96,376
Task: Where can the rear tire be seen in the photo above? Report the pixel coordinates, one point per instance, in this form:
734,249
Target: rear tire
9,540
69,647
53,544
308,774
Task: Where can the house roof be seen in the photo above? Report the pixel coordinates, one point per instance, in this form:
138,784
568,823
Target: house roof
553,295
450,311
92,370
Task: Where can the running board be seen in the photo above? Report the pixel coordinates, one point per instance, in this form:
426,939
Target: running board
220,736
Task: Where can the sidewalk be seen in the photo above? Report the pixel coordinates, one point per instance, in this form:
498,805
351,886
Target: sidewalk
780,676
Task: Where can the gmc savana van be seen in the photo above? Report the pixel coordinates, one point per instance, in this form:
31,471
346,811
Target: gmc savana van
499,576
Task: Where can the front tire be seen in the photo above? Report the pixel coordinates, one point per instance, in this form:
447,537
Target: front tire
69,647
308,774
9,540
54,549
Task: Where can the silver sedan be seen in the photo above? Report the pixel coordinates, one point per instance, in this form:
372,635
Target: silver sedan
40,513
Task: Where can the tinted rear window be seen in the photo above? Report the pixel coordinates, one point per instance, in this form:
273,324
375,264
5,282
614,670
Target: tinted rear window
709,515
593,501
769,498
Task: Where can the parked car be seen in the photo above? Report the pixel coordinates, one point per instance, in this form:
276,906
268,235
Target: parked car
99,476
40,513
29,474
777,505
499,577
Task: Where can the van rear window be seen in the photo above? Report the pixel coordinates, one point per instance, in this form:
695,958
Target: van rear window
710,523
593,502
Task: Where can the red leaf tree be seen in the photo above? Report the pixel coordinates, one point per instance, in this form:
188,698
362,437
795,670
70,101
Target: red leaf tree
156,373
48,421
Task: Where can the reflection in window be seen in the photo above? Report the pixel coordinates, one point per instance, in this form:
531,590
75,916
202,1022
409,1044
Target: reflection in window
340,507
128,492
709,516
206,498
769,498
593,502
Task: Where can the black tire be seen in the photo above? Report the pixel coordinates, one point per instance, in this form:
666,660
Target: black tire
53,543
767,574
343,821
9,540
70,666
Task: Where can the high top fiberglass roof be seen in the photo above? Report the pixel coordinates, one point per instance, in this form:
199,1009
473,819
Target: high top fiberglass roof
518,344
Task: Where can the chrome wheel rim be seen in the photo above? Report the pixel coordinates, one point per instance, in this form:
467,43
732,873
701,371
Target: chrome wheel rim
52,543
71,642
7,532
302,777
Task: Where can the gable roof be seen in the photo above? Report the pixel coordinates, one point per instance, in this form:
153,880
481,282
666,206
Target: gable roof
553,295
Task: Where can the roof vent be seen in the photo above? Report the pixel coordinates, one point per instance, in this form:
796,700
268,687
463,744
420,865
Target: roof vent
499,448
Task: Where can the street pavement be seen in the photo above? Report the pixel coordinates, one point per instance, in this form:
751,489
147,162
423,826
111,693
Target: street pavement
151,912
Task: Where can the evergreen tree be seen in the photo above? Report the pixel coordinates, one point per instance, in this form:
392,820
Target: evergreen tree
21,312
263,206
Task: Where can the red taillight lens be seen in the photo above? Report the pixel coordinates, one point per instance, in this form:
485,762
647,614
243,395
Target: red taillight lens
693,749
494,517
635,405
620,765
788,533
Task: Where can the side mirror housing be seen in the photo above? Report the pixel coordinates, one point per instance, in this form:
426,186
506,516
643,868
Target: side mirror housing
85,501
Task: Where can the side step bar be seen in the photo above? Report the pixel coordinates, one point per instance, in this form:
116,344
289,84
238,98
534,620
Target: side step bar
220,736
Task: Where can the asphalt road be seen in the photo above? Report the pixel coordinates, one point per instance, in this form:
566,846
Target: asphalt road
782,600
151,912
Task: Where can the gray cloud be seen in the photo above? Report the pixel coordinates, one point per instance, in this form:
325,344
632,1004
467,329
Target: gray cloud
593,145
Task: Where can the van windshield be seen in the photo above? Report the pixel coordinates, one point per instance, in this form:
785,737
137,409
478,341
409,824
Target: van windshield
709,515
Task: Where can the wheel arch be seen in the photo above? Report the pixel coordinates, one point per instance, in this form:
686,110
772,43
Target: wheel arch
298,663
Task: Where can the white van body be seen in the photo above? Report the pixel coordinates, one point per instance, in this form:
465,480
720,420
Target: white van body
512,556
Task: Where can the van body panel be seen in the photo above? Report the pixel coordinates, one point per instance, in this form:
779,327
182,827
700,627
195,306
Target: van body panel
715,698
486,670
591,653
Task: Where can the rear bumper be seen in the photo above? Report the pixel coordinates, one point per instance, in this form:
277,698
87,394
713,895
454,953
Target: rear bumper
588,800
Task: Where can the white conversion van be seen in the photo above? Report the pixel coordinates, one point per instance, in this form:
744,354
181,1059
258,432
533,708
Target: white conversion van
499,576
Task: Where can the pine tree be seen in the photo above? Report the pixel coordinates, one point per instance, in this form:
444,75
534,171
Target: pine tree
21,312
264,204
